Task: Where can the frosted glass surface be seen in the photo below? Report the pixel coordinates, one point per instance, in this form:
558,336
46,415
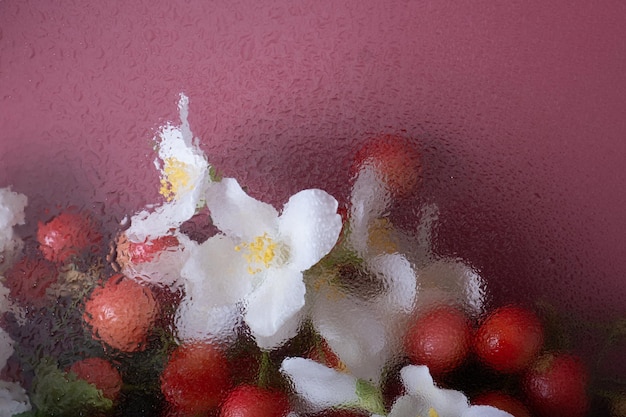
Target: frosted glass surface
517,109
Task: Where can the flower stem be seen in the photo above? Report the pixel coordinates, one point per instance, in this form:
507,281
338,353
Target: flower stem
264,370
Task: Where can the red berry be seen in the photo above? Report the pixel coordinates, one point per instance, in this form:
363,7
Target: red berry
29,278
196,378
101,373
439,338
556,386
68,235
253,401
509,339
394,157
141,252
503,402
121,313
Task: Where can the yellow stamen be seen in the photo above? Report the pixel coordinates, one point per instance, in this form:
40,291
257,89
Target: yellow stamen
176,178
431,413
380,236
259,253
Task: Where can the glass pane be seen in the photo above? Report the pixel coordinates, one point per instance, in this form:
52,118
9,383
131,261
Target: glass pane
292,208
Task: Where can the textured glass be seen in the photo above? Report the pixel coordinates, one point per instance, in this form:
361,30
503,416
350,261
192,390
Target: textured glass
517,110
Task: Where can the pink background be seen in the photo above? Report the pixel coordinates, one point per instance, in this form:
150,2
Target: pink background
519,107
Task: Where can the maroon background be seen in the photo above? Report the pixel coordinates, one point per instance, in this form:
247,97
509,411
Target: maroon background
519,107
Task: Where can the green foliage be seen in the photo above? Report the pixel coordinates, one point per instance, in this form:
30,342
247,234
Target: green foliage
61,394
370,397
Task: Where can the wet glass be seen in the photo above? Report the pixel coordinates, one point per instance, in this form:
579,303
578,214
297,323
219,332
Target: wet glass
499,183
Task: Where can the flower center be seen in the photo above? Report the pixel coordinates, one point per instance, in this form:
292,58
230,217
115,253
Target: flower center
432,412
380,236
176,179
259,253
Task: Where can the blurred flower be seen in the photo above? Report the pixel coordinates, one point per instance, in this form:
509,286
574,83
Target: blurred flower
259,258
365,332
365,327
424,398
184,178
12,206
13,399
322,388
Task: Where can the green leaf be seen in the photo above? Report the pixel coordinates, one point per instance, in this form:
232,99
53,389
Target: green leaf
59,394
370,397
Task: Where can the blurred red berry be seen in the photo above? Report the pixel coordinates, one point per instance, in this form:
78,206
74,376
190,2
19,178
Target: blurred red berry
557,386
440,339
503,402
29,278
146,251
196,378
101,373
121,313
509,339
395,158
253,401
68,235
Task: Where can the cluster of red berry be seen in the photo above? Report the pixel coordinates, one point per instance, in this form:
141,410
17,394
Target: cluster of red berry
509,341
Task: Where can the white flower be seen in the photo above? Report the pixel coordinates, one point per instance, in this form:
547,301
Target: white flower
423,398
319,386
184,178
366,332
453,282
322,388
12,206
259,258
13,399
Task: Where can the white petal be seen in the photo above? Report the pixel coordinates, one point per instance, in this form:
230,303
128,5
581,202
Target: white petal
369,200
216,273
12,206
408,406
321,387
310,226
237,214
287,331
419,383
354,331
270,306
484,411
456,281
13,399
145,224
196,321
396,271
6,347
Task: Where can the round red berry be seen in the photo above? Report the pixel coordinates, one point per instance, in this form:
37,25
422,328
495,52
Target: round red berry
70,234
121,313
101,373
439,338
509,339
253,401
557,386
395,158
29,278
196,378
